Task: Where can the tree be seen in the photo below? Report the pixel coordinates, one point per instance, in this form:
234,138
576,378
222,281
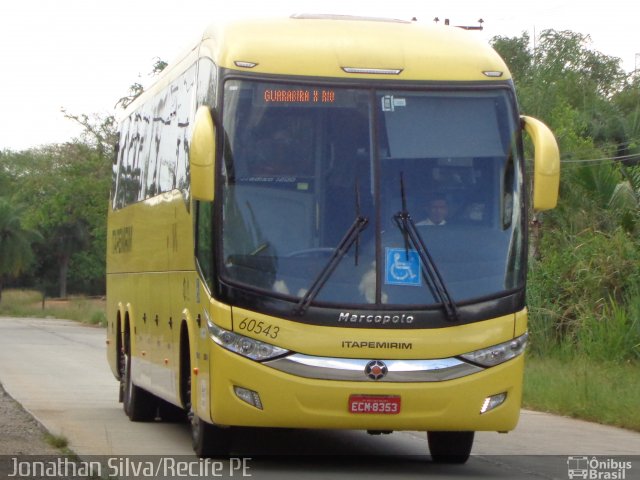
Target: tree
562,77
99,132
15,242
627,102
67,189
589,243
516,53
136,89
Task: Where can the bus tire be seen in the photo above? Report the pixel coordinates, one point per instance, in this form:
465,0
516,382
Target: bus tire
450,447
171,413
138,404
209,440
122,359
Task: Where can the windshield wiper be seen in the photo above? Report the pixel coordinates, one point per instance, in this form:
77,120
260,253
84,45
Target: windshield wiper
352,236
430,272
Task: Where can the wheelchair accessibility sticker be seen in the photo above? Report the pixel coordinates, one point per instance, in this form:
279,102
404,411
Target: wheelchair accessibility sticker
402,267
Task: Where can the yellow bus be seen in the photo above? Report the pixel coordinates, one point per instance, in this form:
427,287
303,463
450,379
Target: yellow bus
321,222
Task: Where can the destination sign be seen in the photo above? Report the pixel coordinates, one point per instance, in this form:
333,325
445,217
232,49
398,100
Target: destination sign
298,95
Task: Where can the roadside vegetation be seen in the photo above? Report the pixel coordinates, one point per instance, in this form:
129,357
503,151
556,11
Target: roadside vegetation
584,304
584,268
32,303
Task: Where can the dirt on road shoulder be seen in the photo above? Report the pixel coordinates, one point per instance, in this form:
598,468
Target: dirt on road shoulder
20,433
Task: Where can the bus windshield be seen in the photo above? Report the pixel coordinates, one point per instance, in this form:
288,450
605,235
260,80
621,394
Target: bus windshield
309,170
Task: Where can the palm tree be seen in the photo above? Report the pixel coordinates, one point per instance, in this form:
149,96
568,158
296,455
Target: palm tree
15,242
626,198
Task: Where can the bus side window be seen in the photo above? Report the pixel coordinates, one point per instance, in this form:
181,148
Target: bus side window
204,240
507,194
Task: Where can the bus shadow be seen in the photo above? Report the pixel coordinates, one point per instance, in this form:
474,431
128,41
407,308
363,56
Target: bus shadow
292,453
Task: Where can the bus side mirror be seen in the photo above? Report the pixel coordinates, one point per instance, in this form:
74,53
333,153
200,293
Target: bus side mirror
202,152
546,164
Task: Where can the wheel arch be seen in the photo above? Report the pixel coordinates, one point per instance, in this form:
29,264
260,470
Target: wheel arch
187,355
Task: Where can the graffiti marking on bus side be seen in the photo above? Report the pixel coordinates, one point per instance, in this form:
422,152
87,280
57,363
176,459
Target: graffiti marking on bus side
122,239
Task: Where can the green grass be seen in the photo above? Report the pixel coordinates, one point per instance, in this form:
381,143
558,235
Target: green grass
61,443
29,303
584,321
599,391
56,441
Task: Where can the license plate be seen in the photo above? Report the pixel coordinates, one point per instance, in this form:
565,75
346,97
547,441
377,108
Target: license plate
376,404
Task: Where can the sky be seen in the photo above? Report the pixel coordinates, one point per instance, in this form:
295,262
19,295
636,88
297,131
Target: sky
82,55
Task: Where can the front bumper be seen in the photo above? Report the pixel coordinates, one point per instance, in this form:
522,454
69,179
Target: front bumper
293,401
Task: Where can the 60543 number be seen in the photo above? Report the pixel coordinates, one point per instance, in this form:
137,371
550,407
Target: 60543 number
259,327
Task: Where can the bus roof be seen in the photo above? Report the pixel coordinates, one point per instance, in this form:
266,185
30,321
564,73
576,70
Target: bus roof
326,45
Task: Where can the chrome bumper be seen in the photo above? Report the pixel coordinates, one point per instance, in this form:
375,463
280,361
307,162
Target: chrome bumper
359,370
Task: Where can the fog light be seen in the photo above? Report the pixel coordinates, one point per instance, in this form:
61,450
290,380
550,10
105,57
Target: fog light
493,401
249,396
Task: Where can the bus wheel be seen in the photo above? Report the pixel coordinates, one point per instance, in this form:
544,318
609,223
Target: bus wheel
122,369
450,447
209,440
139,405
171,413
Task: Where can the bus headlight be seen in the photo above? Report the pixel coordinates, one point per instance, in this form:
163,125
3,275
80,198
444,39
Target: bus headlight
245,346
497,354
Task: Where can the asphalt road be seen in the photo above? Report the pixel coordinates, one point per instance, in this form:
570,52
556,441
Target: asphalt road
58,371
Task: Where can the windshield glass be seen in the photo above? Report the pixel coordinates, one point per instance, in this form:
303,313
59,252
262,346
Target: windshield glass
303,163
